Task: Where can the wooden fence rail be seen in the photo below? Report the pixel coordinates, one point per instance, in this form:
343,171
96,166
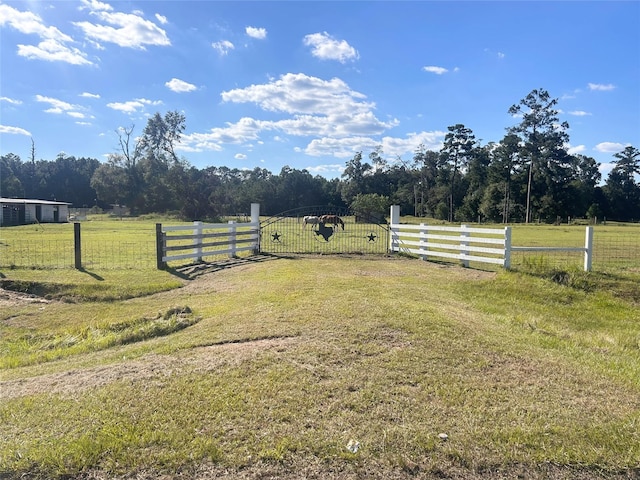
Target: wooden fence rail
207,239
466,244
587,249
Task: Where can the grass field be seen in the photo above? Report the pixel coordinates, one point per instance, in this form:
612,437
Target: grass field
321,367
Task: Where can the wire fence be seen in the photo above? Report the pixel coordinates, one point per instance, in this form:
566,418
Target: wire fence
611,252
44,254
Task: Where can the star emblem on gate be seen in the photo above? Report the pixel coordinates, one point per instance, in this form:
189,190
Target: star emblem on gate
275,237
372,237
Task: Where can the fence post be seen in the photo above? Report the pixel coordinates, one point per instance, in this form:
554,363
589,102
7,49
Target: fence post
232,239
507,248
77,246
588,249
197,240
160,265
464,243
255,218
395,220
423,240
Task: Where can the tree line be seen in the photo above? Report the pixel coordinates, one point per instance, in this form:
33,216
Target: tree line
527,176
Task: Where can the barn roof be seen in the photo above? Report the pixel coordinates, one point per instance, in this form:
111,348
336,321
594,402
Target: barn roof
31,201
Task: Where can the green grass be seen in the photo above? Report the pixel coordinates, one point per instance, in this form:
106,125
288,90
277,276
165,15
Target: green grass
36,347
72,285
292,358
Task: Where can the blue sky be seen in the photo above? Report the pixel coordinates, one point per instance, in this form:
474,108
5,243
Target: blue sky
309,84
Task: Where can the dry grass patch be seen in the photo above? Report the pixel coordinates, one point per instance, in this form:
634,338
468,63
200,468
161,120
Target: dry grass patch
147,368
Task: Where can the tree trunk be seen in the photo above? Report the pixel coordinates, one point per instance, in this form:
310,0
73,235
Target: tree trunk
528,215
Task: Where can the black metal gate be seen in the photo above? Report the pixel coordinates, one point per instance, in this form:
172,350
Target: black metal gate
324,230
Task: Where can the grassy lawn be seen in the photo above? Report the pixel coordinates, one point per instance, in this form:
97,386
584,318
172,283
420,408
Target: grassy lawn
271,367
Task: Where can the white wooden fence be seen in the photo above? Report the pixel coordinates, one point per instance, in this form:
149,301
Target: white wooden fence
207,239
466,244
587,249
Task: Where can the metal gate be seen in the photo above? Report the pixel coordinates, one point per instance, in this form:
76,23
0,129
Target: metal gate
352,232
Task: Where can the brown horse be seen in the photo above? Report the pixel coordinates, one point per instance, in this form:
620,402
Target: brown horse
332,220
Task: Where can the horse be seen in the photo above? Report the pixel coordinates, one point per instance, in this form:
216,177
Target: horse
310,220
332,219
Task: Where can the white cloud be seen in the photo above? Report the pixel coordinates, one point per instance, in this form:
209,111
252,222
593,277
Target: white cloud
240,156
319,107
338,120
606,167
339,147
303,94
391,146
89,95
53,51
335,168
14,130
245,130
53,45
124,29
491,52
579,113
402,146
259,33
95,5
434,69
30,23
223,47
601,87
334,126
325,47
577,149
162,19
610,147
133,106
179,86
59,106
10,100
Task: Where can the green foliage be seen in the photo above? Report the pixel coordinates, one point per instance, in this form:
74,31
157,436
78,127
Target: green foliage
458,148
372,205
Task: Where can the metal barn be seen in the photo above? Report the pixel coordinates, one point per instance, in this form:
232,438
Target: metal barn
23,211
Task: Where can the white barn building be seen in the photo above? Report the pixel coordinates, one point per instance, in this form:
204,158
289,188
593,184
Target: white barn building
23,211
